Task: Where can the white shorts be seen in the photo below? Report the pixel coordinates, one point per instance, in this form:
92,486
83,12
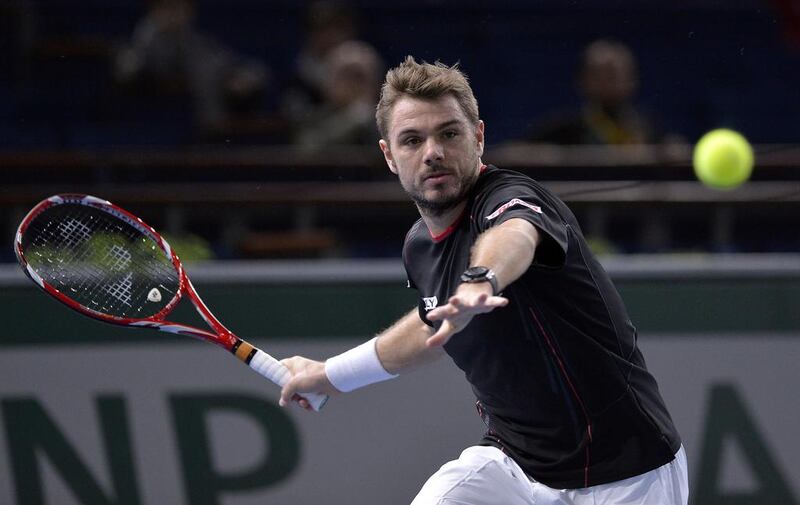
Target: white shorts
486,476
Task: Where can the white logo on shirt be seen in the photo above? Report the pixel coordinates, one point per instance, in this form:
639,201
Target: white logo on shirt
430,302
511,203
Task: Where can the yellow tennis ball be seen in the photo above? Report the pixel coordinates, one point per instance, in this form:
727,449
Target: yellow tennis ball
723,159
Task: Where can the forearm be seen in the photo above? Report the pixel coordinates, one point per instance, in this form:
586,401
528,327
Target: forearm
507,249
402,346
398,349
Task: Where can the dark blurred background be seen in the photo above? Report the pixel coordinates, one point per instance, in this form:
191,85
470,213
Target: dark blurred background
244,128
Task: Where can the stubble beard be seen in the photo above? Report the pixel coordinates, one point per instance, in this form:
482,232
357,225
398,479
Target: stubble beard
438,207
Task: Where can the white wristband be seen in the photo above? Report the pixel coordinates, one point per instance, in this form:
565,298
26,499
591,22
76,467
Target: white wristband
356,368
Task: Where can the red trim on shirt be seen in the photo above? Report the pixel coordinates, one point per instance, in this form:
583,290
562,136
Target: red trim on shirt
450,229
574,393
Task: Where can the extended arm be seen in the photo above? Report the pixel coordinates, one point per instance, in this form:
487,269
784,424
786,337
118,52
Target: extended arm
398,349
508,249
402,347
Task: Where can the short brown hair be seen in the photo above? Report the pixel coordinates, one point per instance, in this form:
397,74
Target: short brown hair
424,81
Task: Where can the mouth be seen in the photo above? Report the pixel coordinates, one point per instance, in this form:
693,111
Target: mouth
437,177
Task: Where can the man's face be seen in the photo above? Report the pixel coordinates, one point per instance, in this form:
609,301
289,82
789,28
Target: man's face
434,150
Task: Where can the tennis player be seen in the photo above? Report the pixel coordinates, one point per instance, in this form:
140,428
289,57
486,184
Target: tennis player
511,292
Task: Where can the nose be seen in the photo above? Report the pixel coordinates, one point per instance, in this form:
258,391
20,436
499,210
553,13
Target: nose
434,152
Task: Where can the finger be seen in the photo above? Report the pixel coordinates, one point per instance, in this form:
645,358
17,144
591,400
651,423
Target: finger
443,312
441,337
479,301
289,363
288,392
302,401
497,301
484,303
494,302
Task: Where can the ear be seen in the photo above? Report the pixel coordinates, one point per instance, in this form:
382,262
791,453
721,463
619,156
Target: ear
387,154
479,137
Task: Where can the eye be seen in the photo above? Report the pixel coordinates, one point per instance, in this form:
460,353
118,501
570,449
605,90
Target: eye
450,134
412,141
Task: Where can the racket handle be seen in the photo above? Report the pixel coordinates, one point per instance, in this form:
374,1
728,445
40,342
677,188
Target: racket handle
274,370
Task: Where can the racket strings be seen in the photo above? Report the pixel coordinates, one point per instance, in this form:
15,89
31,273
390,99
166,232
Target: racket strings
100,261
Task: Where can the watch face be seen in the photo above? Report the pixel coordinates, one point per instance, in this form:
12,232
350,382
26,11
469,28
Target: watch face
476,272
480,274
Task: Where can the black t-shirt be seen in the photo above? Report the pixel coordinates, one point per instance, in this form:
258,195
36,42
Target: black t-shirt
560,381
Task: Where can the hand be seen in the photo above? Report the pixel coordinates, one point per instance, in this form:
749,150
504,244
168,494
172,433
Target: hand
308,376
470,300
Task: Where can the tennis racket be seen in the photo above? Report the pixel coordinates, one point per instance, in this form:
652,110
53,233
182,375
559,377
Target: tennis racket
106,263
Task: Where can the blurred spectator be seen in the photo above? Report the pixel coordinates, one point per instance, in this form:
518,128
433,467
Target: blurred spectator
327,25
607,81
168,55
354,71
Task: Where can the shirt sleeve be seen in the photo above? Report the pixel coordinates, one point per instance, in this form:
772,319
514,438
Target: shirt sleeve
524,201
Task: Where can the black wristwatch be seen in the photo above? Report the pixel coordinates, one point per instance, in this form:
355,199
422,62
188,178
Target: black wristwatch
480,274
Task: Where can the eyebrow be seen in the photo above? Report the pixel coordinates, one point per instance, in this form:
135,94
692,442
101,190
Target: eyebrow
438,127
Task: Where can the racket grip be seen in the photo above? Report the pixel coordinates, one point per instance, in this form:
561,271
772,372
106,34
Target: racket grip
274,370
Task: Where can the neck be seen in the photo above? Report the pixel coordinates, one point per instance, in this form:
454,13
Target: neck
439,223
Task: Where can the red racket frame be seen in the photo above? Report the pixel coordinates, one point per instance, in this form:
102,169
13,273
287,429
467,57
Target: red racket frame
223,336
